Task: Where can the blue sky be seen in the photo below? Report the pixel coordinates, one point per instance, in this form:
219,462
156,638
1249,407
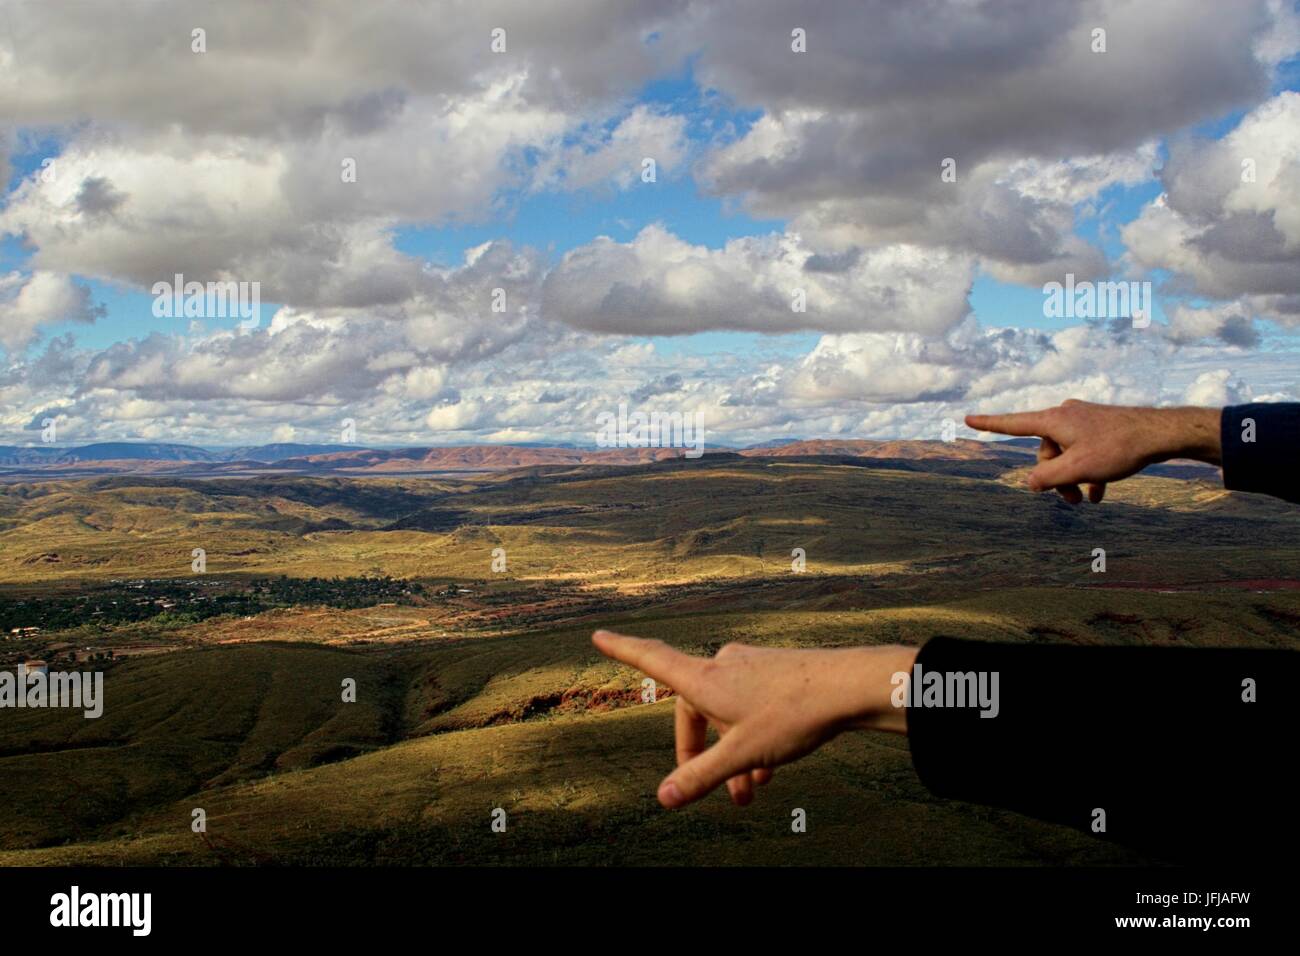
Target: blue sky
558,222
777,170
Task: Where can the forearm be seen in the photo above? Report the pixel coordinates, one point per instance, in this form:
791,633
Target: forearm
1186,432
865,685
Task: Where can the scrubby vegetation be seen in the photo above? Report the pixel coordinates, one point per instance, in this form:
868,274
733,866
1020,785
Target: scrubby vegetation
187,602
478,689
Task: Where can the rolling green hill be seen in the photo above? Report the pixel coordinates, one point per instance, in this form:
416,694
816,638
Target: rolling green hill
675,520
487,694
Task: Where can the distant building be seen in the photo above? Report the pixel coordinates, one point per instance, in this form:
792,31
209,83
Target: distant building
33,667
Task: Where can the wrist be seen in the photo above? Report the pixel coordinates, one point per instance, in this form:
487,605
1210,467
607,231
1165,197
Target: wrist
870,688
1189,433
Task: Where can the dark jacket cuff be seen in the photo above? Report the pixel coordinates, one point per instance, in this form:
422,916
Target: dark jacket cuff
1261,448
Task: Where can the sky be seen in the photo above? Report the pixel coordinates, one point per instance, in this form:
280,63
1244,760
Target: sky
495,222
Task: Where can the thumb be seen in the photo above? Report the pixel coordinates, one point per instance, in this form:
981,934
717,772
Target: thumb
732,754
1054,472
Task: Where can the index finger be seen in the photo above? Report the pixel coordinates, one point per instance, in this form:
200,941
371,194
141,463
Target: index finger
651,657
1016,423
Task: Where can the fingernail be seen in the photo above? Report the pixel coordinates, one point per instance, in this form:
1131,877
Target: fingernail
669,795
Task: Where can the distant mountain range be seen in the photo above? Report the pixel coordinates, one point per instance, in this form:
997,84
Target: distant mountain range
156,451
962,448
467,456
107,458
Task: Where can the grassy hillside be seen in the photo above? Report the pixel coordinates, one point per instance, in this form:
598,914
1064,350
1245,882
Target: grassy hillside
537,724
484,692
673,521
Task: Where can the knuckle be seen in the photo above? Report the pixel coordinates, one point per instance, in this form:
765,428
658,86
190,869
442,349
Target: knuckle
734,651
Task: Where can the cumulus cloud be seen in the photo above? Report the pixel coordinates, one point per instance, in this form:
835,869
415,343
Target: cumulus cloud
866,384
1228,223
340,354
975,365
291,149
855,131
302,147
285,73
1230,323
618,155
881,367
1217,388
659,284
43,298
236,171
141,211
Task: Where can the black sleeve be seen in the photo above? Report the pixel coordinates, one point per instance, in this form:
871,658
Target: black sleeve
1261,448
1163,740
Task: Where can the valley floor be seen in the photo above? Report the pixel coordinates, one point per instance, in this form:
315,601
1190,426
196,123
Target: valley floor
479,697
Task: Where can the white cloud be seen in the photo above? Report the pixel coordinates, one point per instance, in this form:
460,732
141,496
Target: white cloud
228,164
1228,223
659,284
43,298
617,156
855,131
1217,388
1230,323
336,355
